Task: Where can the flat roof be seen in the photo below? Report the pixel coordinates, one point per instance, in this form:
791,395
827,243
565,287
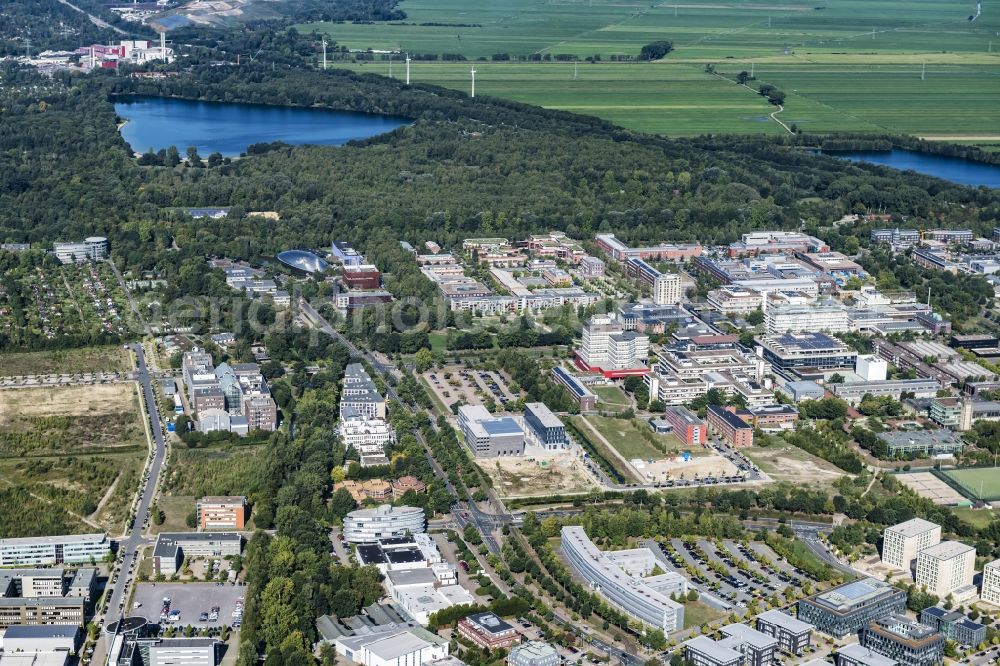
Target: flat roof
42,631
749,635
544,414
946,550
423,576
490,622
58,539
913,527
713,650
730,418
785,621
865,655
843,598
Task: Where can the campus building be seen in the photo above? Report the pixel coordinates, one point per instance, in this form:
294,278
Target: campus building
847,608
41,610
991,583
946,567
489,436
89,249
585,398
544,427
758,649
370,437
901,639
171,549
830,317
34,638
953,625
64,549
222,513
793,635
184,652
370,525
611,350
858,655
776,242
686,425
902,542
488,631
632,595
703,651
806,351
732,429
533,653
360,394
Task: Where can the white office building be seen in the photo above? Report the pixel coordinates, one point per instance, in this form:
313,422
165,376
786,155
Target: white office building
368,436
795,318
392,645
871,368
64,549
184,652
632,595
991,583
667,289
902,542
946,567
89,249
370,525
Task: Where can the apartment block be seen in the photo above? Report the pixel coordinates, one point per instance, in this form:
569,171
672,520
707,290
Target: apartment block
222,513
946,567
902,542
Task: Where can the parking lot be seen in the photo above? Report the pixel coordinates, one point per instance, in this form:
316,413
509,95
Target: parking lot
191,599
456,383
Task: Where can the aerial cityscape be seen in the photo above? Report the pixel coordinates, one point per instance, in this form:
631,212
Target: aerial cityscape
523,333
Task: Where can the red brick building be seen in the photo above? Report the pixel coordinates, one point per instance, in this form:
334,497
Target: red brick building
362,276
686,424
488,631
731,428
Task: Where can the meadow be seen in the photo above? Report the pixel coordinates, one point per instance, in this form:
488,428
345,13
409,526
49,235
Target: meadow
917,67
72,454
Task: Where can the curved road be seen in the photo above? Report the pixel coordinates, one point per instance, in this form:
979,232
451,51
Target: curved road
129,544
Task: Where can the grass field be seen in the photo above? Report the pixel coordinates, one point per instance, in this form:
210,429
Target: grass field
611,397
66,361
697,613
73,455
980,483
792,464
976,518
844,65
634,439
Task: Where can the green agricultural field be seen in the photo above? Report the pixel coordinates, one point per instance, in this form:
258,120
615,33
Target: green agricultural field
914,66
980,483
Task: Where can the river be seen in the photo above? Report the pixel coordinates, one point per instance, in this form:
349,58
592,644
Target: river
228,128
954,169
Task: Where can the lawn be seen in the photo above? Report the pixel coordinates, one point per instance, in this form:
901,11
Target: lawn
611,396
697,613
175,510
981,483
916,66
976,518
65,361
438,342
634,439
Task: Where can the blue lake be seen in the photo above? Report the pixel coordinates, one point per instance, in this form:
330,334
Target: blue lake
954,169
160,122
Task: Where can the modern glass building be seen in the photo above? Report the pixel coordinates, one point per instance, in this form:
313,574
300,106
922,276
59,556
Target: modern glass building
907,642
848,608
64,549
545,427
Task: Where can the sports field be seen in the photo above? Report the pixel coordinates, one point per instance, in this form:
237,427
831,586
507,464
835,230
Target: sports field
978,483
914,66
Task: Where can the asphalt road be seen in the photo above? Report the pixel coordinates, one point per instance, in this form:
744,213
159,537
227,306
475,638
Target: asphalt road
128,546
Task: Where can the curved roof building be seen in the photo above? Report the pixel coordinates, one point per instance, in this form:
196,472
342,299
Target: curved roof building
303,260
369,525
